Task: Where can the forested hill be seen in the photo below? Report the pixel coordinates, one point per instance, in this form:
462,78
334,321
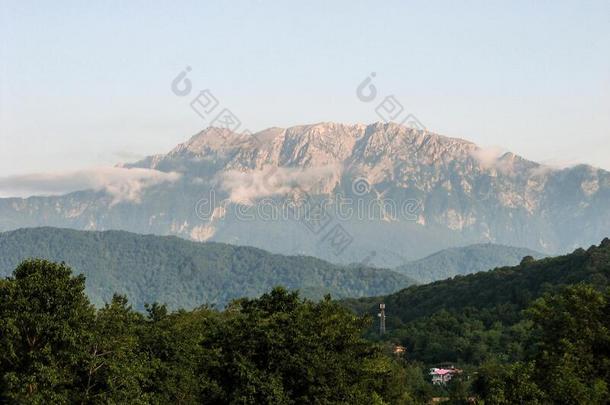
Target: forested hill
502,291
185,274
465,260
532,333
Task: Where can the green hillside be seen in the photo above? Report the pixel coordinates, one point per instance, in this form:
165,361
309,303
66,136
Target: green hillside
464,260
536,333
471,318
185,274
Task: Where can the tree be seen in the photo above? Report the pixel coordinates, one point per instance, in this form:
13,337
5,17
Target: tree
114,368
458,390
45,325
282,350
178,347
572,331
500,384
489,383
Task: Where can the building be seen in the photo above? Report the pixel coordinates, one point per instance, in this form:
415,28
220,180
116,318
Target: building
443,375
399,350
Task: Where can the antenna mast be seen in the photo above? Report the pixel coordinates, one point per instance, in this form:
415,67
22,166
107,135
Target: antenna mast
381,319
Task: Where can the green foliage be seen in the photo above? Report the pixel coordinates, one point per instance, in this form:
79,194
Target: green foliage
538,333
476,318
458,389
114,367
572,334
508,384
277,349
185,274
179,349
45,322
570,363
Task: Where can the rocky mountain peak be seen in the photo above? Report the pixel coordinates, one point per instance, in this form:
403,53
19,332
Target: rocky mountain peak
456,192
325,143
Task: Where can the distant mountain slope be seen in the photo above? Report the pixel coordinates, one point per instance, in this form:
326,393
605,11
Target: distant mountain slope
396,191
184,274
479,318
465,260
499,293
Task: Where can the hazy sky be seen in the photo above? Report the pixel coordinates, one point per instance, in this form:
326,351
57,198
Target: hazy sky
86,84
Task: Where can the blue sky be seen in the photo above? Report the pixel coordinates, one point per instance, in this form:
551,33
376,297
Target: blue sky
88,84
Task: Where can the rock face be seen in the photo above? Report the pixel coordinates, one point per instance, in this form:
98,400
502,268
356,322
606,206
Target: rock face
381,194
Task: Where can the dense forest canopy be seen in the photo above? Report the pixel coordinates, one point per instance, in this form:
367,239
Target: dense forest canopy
55,347
549,343
503,291
544,321
185,274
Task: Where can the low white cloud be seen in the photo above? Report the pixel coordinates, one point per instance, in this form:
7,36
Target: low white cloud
498,158
495,157
488,156
245,187
121,183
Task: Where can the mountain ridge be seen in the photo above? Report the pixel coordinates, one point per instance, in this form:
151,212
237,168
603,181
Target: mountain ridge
485,318
513,286
182,273
460,194
460,261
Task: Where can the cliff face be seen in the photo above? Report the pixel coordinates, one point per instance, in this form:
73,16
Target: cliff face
392,192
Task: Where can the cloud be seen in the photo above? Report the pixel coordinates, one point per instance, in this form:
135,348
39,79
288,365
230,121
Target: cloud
495,157
488,156
498,158
555,165
121,183
245,187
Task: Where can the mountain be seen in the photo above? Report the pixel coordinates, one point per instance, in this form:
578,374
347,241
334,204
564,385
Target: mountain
465,260
480,317
383,194
505,289
182,273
